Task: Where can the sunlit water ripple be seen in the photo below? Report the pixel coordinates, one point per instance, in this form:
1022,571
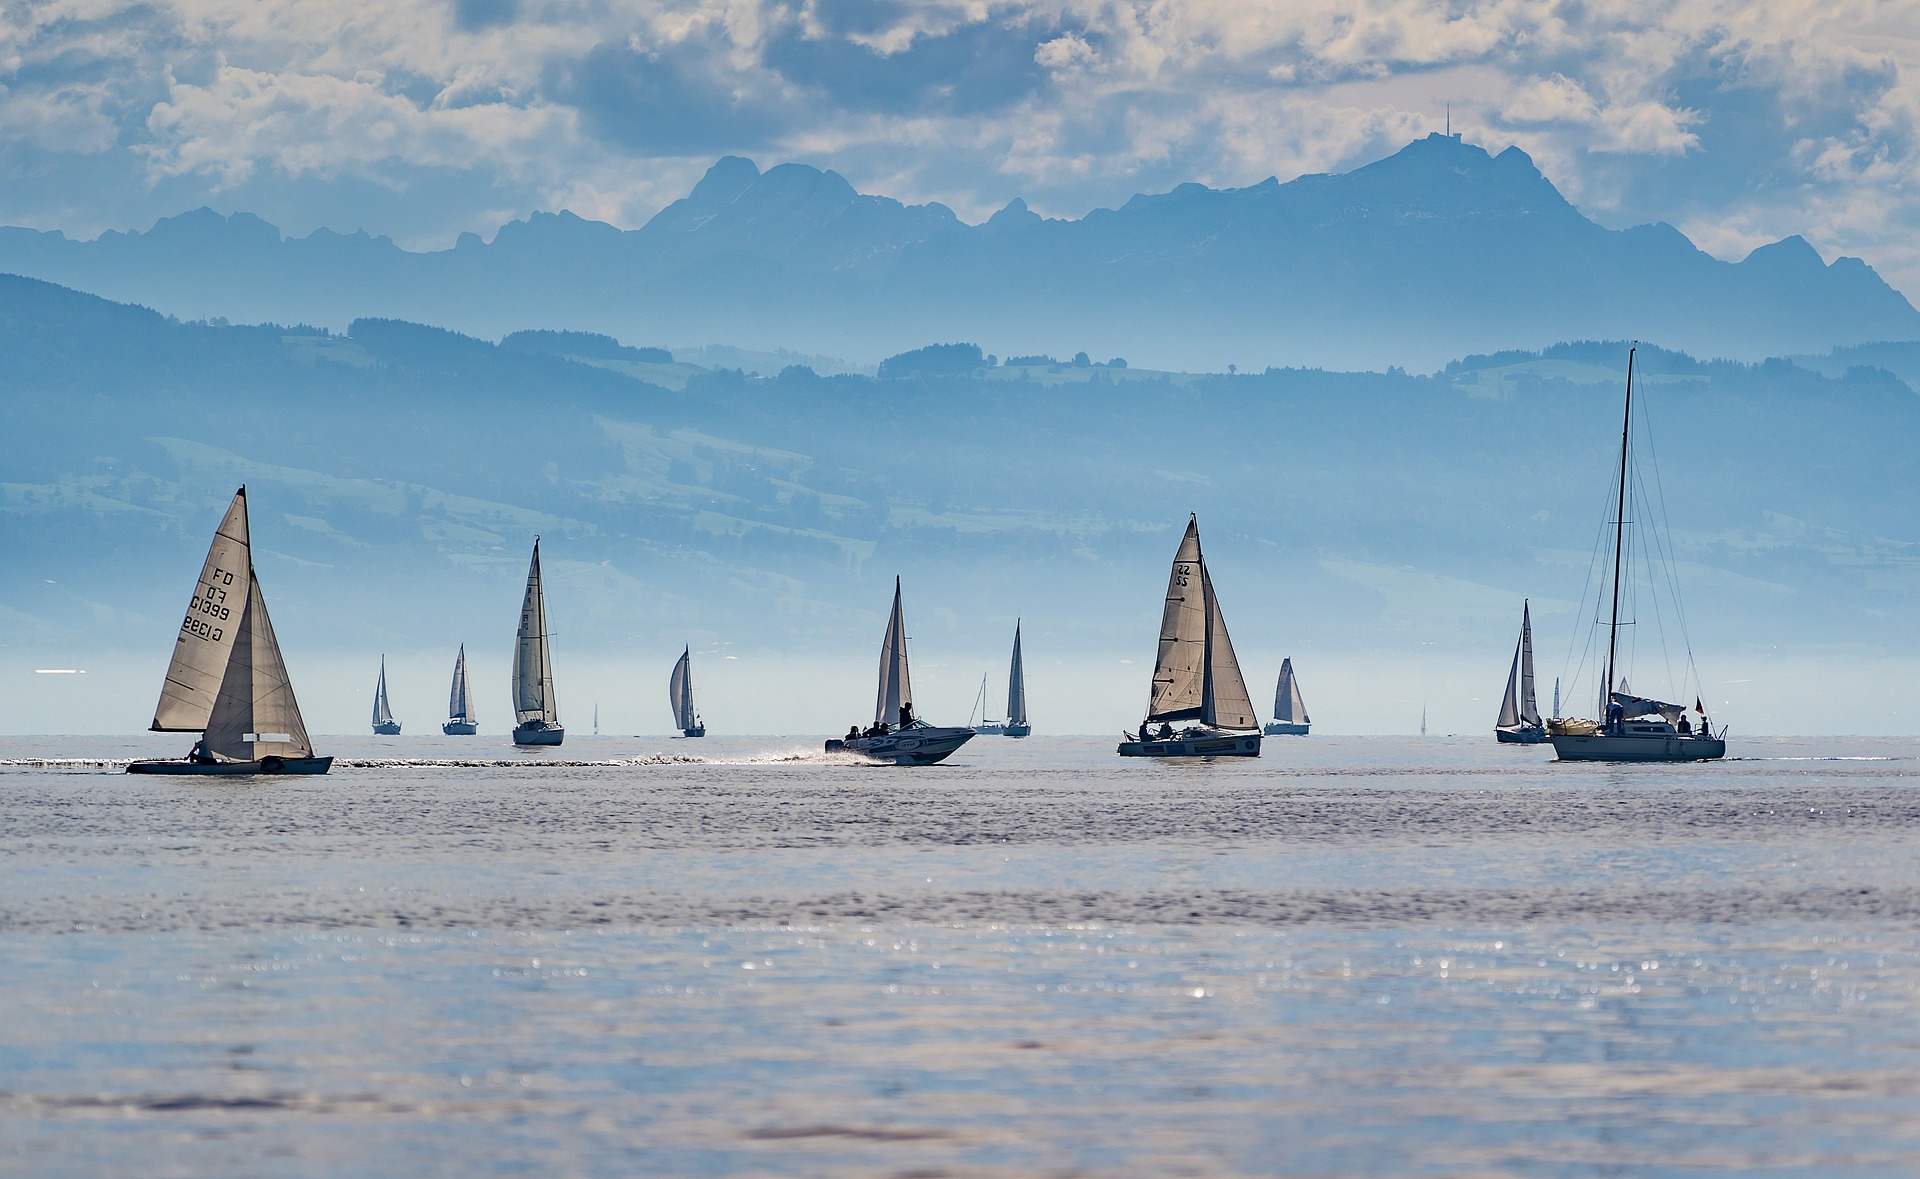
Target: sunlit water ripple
628,956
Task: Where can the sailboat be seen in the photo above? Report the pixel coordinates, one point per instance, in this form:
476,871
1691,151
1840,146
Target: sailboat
1016,725
680,695
1635,728
1195,675
1290,717
1519,722
897,735
383,722
227,680
460,721
535,712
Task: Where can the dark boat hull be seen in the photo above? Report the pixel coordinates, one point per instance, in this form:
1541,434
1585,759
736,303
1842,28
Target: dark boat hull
1284,729
1017,731
538,734
460,728
1210,745
234,769
695,731
1637,747
1521,735
390,729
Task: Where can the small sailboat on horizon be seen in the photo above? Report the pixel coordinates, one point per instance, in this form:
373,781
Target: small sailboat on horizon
1520,722
1016,723
383,723
460,719
227,680
680,696
536,713
1196,677
897,735
1290,717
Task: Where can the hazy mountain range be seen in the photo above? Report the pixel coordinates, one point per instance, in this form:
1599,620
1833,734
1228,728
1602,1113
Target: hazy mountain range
1433,252
1380,528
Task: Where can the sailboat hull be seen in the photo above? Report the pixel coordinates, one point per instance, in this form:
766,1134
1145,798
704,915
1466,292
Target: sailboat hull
910,747
695,731
460,728
389,729
234,769
538,733
1285,729
1521,735
1638,747
1208,745
1016,731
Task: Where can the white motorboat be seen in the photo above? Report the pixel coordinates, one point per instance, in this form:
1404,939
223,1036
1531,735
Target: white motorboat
897,735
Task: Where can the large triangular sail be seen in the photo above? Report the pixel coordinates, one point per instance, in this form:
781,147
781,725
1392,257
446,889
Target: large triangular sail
212,626
1288,706
382,712
680,691
1227,704
533,698
1529,707
896,687
255,714
460,698
1179,668
1017,683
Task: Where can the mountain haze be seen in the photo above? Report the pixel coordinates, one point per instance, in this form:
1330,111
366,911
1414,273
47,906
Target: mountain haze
1436,251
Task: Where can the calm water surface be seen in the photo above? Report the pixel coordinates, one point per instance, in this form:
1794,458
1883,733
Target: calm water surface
641,956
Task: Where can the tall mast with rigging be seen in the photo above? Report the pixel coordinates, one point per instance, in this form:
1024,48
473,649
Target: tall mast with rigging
1619,534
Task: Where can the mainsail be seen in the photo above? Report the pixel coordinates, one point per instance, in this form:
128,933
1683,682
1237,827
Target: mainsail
1195,673
1288,706
255,714
207,636
1017,683
896,688
680,691
1519,706
382,713
533,698
460,699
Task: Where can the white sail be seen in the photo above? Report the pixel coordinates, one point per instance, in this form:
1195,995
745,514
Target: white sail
1179,668
1017,683
1288,705
533,698
460,699
1226,703
896,688
255,714
680,691
212,625
382,713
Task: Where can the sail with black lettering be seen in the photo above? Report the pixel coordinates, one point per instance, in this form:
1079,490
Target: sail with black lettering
212,625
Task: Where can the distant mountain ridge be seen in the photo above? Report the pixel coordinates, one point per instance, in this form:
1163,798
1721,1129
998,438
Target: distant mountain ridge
1435,251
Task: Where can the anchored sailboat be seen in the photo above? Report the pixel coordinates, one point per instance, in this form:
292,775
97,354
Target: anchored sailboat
1290,717
680,695
897,735
535,712
1519,722
1195,675
383,722
227,680
1635,728
460,719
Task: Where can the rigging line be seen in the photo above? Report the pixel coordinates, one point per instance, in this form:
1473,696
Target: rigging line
1649,550
1672,566
1596,571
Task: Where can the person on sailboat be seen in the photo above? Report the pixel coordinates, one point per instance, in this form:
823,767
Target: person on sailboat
1616,716
1685,726
1165,733
906,715
198,755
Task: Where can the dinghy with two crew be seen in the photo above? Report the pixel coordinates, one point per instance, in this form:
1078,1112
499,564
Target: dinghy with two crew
227,680
680,695
460,719
536,713
1196,678
897,735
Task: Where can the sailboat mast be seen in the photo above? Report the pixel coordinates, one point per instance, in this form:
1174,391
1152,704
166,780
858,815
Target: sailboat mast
1619,536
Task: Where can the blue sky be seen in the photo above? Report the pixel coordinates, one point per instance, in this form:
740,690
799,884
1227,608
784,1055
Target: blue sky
1739,122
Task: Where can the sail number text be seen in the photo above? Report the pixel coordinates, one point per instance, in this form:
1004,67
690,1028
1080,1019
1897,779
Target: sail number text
1180,573
209,607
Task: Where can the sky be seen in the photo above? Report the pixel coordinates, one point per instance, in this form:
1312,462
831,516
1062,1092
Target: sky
1739,121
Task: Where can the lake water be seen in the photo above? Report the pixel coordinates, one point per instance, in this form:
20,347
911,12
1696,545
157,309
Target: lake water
648,957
